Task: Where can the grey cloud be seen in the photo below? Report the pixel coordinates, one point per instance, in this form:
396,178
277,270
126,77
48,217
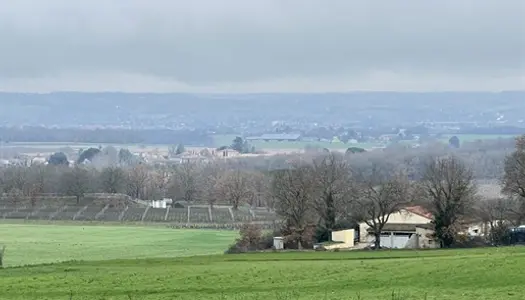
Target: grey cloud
202,43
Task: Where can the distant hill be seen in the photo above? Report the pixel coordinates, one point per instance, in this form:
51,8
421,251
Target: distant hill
245,110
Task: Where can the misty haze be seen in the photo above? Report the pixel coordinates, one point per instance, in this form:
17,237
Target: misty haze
262,149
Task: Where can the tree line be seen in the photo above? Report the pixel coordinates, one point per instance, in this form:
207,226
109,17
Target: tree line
315,196
36,134
313,193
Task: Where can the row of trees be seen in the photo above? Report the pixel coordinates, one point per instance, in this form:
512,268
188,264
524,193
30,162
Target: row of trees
318,191
104,136
328,190
188,181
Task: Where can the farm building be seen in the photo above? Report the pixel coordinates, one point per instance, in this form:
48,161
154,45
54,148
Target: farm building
267,137
408,228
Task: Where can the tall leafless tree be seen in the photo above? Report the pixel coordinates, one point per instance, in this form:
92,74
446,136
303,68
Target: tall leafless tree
113,180
378,195
262,194
448,186
513,181
236,187
159,180
185,183
293,191
209,178
75,182
138,177
333,185
38,177
17,178
495,213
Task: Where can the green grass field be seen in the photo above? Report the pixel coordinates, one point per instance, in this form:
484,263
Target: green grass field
148,263
37,243
225,140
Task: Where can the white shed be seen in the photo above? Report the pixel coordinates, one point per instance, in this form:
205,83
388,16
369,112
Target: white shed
278,243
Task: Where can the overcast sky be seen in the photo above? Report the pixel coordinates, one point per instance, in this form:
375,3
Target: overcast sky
261,45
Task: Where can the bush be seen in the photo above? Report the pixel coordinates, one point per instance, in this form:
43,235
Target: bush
302,240
500,235
251,236
177,205
2,251
463,241
250,239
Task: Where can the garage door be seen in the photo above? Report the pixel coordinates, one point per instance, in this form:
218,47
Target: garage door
395,241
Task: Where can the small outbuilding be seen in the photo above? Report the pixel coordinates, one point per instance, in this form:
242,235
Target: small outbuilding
278,243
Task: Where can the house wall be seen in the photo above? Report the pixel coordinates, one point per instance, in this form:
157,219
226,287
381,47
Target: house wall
396,240
424,238
345,236
477,229
481,228
413,242
401,217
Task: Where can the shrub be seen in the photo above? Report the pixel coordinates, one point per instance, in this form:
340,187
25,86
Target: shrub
500,235
249,240
251,235
177,205
2,252
299,239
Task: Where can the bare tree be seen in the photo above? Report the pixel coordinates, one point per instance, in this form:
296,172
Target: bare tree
15,196
210,176
17,178
113,180
38,177
333,185
158,182
513,181
75,182
2,181
495,213
379,195
448,186
138,177
262,194
235,186
293,191
185,183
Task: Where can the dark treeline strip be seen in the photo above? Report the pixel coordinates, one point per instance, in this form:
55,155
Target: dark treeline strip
105,136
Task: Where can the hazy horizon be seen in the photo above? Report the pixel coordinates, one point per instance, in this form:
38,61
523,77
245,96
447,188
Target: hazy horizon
262,46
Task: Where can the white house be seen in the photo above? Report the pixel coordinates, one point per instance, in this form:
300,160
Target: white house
408,228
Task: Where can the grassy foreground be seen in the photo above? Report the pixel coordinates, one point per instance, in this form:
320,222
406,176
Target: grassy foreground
400,275
151,263
37,243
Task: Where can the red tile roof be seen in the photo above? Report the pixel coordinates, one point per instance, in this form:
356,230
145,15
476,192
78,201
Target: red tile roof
419,210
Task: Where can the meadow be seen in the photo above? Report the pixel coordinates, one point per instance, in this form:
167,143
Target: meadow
108,272
226,140
300,145
38,243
